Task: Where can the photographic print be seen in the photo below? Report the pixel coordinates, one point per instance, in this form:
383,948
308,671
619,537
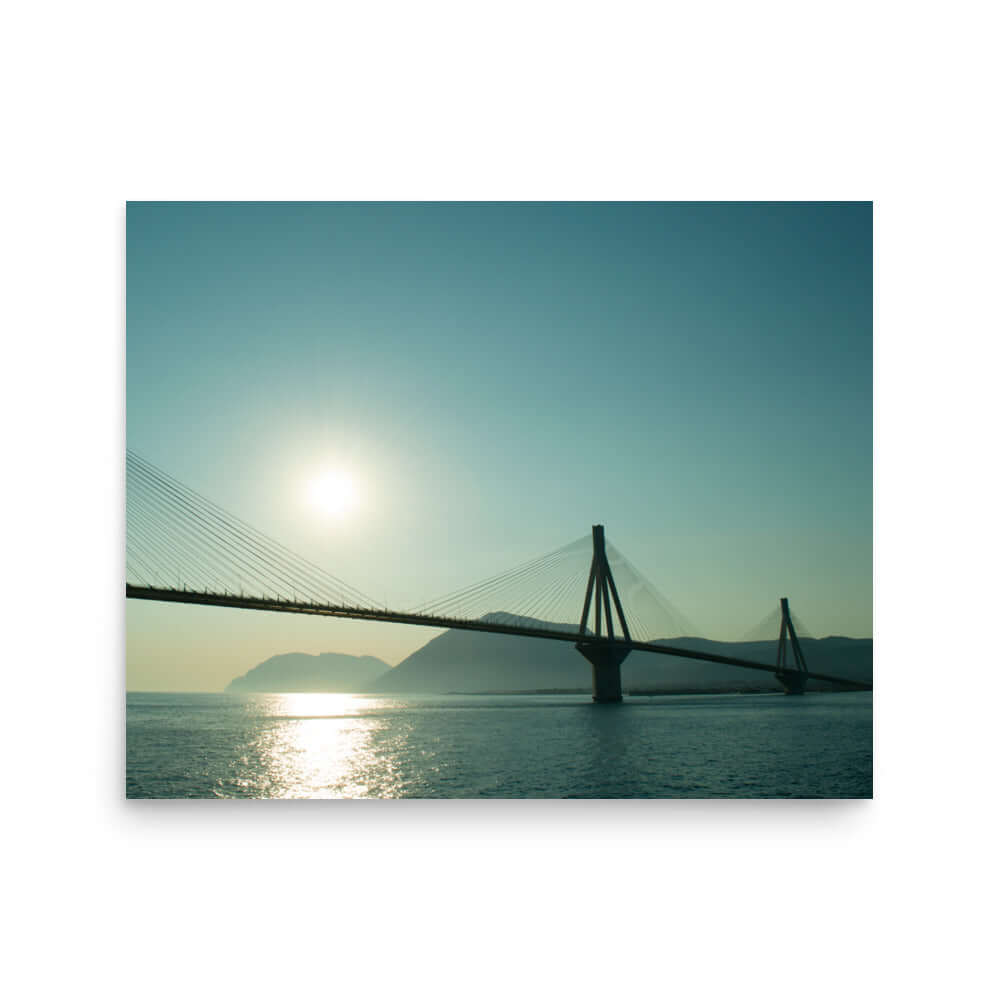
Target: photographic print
499,500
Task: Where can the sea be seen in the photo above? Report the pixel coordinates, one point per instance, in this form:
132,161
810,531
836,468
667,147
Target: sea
358,746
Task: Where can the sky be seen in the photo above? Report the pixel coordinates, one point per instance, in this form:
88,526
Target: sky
493,379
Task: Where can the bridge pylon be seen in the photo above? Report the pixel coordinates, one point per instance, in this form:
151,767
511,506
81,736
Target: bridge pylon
600,646
793,676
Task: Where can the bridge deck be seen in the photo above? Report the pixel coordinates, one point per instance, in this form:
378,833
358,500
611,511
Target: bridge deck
434,621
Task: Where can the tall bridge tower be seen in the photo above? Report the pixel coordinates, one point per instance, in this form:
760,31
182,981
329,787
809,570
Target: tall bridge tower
793,676
599,646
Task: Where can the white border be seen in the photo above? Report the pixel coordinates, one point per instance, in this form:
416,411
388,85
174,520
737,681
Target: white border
445,101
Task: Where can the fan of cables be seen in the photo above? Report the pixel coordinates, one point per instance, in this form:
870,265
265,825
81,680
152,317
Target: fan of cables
177,539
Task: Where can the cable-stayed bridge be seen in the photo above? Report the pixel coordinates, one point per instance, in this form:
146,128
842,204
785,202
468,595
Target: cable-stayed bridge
182,548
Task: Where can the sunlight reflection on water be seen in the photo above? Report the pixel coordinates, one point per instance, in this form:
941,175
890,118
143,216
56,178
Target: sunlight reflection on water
315,745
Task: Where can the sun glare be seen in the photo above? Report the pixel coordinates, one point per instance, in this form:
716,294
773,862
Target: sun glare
333,493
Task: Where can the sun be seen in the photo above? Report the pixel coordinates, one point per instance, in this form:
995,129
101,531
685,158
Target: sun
333,493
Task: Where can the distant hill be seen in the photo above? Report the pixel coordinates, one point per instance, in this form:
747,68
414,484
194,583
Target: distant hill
462,661
302,672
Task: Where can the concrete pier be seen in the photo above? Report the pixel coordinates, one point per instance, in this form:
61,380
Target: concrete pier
606,670
793,681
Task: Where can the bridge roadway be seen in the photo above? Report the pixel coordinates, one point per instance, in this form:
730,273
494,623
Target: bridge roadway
436,621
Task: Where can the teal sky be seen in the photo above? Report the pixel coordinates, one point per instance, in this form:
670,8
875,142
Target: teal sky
496,378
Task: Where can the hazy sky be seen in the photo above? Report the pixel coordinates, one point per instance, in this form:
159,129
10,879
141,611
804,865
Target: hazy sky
495,378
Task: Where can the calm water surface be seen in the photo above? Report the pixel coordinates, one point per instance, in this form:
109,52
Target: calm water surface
511,746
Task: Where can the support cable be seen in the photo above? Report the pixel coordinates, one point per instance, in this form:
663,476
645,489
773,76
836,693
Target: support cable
256,561
250,562
274,551
484,585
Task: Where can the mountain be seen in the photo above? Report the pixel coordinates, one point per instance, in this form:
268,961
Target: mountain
481,661
462,661
302,672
